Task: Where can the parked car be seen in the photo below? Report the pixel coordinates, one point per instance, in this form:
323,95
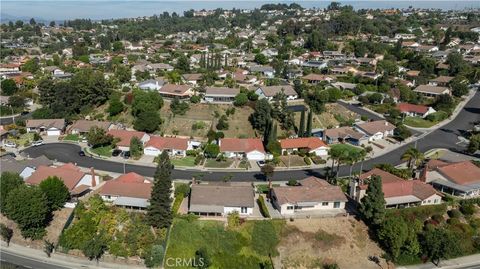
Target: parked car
126,154
261,163
9,144
37,143
13,155
81,153
116,152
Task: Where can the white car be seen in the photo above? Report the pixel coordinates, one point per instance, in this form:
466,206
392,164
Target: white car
9,144
37,143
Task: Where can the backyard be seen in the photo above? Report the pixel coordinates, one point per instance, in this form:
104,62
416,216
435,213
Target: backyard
245,246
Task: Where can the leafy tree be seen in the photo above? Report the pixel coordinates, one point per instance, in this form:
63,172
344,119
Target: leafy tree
136,147
459,86
268,170
95,248
159,213
402,132
8,86
316,41
241,99
6,233
262,115
118,46
147,121
155,256
98,137
31,65
8,182
393,235
123,73
179,107
17,101
146,101
317,99
48,247
222,123
211,150
260,59
56,192
474,144
456,64
115,105
436,243
183,64
372,205
28,207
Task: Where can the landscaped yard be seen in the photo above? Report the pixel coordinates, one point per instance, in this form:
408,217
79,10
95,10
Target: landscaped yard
185,161
103,151
72,137
213,163
345,147
23,139
246,246
418,122
291,160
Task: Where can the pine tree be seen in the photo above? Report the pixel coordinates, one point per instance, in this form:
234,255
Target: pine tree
226,61
301,129
309,125
372,205
159,212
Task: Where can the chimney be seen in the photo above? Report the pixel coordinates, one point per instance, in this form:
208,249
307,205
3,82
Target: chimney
386,123
423,174
92,171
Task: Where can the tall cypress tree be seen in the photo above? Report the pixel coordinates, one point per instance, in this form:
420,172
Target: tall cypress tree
159,212
309,125
301,129
372,205
226,60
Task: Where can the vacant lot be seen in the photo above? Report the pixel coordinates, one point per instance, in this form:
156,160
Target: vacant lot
204,116
291,160
329,118
309,243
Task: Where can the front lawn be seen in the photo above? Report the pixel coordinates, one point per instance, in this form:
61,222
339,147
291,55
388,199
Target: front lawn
212,163
345,147
418,122
23,139
246,246
72,137
186,161
103,151
292,160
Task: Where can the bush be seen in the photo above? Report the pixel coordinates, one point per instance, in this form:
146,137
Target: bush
468,209
199,159
437,116
318,160
438,218
263,207
177,202
182,188
454,213
233,219
292,182
307,160
364,118
453,221
192,152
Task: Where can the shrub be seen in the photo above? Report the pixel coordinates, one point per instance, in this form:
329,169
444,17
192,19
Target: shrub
437,116
199,159
263,207
6,233
192,152
177,202
475,223
438,218
453,221
307,160
292,182
468,209
318,160
233,219
182,188
454,213
364,118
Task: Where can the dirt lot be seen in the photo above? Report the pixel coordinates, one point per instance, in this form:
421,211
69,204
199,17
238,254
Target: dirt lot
309,243
327,118
239,126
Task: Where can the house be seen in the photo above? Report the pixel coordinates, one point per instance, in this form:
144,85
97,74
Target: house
161,67
415,110
376,130
176,91
398,192
175,146
131,191
220,199
250,148
124,137
82,127
220,94
440,81
460,179
316,78
267,71
344,134
344,85
309,144
75,180
270,91
432,91
151,84
24,168
192,79
48,126
312,196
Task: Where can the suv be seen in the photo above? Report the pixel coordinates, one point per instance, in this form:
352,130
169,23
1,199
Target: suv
116,152
126,154
37,143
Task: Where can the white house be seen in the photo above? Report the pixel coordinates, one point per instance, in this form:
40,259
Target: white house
311,197
220,199
376,130
51,127
309,144
151,84
125,136
175,146
269,92
250,148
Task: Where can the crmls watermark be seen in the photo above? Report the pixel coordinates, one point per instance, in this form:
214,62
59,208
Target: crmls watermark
184,262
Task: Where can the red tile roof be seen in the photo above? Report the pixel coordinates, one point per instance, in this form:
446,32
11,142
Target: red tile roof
125,136
408,187
126,189
405,107
311,189
303,142
386,176
241,145
131,177
162,143
462,173
68,173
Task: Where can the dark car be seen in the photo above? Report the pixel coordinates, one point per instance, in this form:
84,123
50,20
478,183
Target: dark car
11,154
116,152
126,154
81,153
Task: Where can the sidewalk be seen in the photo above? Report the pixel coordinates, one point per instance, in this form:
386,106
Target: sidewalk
472,261
57,259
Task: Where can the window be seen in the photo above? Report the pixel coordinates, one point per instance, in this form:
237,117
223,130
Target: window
435,201
324,203
243,210
289,207
336,205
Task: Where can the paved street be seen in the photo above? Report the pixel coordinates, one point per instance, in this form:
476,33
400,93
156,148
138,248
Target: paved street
360,111
27,261
445,137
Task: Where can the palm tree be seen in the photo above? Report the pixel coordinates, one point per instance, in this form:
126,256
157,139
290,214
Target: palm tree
413,156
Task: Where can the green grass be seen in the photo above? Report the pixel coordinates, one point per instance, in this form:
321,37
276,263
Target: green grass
212,163
263,188
346,147
72,137
186,161
103,151
418,122
241,247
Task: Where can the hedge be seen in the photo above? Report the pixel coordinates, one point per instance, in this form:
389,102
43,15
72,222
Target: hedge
263,207
177,203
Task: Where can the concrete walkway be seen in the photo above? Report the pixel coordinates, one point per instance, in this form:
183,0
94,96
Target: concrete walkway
467,262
